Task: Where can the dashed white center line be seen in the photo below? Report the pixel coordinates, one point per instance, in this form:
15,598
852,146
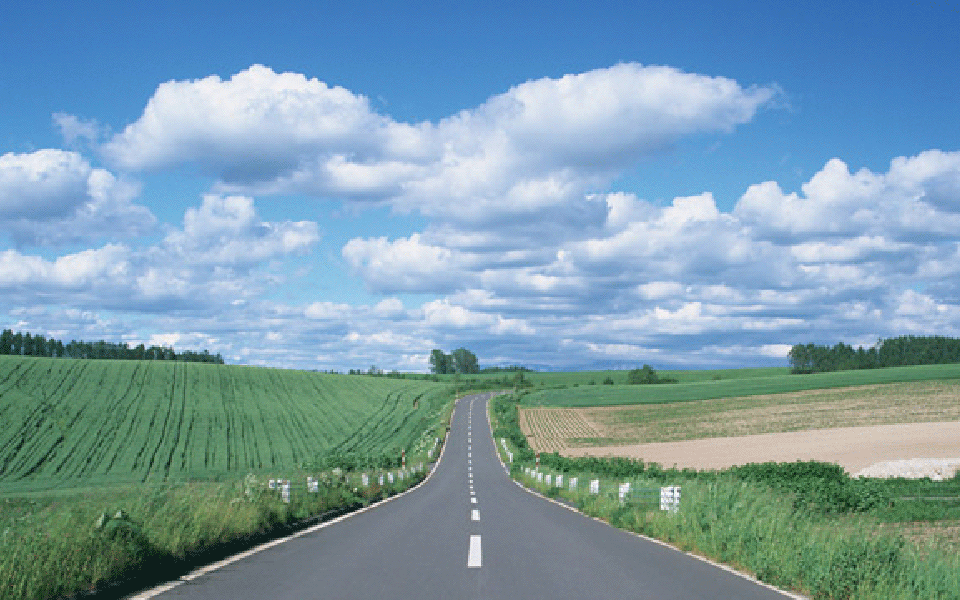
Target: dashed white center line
473,500
475,514
475,555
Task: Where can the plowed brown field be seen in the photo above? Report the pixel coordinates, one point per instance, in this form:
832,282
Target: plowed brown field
854,427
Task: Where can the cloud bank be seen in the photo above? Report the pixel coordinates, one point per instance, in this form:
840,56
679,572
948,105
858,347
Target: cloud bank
528,255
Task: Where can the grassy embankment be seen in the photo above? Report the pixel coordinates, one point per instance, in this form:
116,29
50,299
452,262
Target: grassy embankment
806,527
111,470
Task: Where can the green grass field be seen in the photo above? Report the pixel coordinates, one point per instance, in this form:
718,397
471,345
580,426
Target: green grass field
709,385
73,423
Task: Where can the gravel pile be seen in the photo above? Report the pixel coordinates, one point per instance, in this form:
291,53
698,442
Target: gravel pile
937,469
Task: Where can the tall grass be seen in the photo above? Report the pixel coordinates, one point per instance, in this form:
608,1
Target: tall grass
763,533
130,537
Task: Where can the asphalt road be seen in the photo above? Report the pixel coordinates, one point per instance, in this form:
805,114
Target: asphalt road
469,532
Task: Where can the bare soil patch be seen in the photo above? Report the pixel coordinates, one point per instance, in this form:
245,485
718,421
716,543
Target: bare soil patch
853,448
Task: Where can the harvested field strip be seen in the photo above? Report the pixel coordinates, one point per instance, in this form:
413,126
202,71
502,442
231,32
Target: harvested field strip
551,429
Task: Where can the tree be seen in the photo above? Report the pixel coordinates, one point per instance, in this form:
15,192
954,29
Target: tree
39,345
465,361
440,363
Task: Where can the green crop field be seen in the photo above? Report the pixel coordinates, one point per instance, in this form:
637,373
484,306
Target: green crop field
562,379
708,385
71,423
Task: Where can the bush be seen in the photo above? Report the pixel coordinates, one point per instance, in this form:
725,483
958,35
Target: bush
823,486
647,375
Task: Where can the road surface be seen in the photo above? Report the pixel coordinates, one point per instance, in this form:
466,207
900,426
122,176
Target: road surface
469,532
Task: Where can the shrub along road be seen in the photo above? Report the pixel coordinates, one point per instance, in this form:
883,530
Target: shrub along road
468,532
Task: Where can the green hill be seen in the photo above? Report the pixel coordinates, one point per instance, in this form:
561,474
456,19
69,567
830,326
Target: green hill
71,423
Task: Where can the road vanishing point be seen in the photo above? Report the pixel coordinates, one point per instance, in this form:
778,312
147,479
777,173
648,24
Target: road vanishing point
468,532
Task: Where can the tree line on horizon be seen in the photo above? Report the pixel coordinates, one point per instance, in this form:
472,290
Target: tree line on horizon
27,344
906,350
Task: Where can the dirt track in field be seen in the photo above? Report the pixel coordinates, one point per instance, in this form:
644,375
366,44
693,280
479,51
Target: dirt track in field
853,448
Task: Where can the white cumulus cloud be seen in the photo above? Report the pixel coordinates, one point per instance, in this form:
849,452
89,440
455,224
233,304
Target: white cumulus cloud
541,145
53,197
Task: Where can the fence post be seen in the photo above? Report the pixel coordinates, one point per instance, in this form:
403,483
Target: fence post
624,491
594,486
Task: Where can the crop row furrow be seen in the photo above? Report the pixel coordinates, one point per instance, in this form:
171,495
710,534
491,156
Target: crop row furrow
160,431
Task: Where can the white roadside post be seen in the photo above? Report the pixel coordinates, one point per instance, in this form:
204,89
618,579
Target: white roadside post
594,486
559,482
285,491
573,484
624,491
670,498
364,479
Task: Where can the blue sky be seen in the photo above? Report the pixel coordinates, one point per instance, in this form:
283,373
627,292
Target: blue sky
331,186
